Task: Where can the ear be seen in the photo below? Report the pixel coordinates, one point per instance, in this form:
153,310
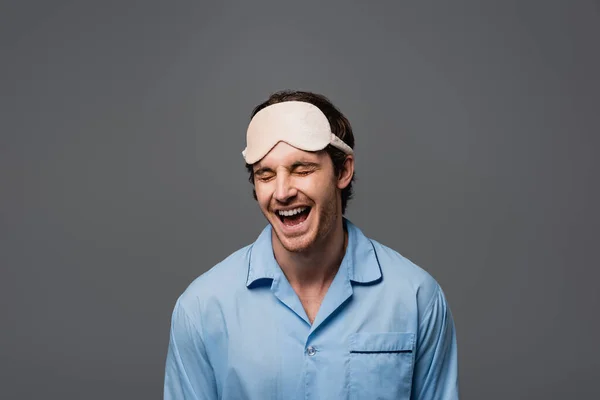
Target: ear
346,173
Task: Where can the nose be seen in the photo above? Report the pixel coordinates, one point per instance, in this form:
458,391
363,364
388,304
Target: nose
284,190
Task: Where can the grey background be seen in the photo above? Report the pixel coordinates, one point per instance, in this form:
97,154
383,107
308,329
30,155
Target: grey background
121,177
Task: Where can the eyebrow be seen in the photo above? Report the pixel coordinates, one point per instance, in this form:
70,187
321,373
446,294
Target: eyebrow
294,166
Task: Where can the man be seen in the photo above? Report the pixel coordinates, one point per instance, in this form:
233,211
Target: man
312,309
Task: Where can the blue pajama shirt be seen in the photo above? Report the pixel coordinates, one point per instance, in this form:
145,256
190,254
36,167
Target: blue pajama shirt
384,331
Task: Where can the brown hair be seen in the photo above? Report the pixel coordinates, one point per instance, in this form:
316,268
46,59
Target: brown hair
340,126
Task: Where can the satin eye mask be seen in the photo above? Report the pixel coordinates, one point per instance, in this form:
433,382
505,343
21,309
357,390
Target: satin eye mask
299,124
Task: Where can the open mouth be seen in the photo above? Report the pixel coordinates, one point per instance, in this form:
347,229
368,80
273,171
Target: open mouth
293,217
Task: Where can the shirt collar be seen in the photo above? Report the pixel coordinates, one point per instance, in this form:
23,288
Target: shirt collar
360,257
359,263
262,263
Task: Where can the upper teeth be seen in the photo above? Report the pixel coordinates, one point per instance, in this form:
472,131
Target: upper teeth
289,213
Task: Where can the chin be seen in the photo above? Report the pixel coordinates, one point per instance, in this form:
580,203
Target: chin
295,244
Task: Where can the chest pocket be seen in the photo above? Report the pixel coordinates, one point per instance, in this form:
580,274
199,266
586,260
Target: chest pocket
380,365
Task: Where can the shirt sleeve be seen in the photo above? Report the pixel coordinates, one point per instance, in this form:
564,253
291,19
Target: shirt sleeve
188,373
436,365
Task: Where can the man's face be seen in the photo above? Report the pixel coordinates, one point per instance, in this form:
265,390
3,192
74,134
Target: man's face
298,193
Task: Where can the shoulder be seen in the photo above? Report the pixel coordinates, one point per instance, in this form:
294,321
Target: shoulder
398,266
220,281
405,276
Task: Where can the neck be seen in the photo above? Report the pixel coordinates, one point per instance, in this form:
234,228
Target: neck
317,266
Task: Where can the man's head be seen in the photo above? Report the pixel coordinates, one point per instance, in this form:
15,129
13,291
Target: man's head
286,177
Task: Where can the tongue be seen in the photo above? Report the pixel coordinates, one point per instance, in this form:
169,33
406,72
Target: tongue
295,219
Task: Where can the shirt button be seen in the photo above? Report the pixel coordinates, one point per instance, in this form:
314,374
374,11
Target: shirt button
311,351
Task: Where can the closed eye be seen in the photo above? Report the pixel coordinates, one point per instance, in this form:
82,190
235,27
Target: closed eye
264,178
